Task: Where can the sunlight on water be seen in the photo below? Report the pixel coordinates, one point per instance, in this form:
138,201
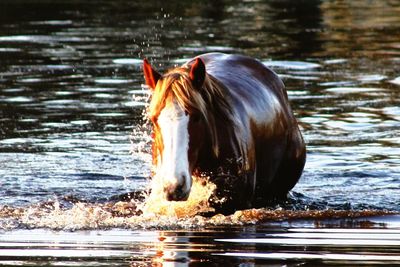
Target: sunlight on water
197,202
154,213
320,257
128,61
295,65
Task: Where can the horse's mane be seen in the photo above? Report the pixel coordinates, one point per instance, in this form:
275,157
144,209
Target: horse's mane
210,101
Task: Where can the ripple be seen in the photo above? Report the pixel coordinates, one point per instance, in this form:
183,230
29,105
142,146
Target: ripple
105,96
110,114
31,80
13,90
335,61
323,240
7,49
315,120
61,102
295,65
20,140
65,93
128,61
391,140
395,81
371,78
24,38
135,104
57,67
296,92
201,49
52,22
46,67
353,90
393,112
80,122
112,81
323,257
56,124
139,92
337,83
40,39
64,253
18,99
96,89
299,77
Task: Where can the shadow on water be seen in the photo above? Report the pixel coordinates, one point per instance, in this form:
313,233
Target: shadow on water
73,135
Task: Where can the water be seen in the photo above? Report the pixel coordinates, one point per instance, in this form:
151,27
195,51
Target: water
73,136
262,245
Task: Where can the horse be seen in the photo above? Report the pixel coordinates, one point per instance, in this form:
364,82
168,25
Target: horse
227,116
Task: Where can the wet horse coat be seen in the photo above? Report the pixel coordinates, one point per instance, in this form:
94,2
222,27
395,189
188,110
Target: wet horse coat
242,132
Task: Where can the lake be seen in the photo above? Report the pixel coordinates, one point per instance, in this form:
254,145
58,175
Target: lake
74,135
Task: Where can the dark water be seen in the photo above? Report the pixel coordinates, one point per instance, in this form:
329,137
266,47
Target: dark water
71,125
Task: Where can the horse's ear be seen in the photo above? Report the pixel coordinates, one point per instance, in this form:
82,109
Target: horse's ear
197,73
151,76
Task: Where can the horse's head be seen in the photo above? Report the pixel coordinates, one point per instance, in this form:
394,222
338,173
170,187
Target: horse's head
177,111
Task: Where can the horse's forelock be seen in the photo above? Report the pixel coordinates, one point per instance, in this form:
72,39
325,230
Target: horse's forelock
195,100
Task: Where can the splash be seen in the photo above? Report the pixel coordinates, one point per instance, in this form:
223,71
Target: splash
198,201
171,216
152,212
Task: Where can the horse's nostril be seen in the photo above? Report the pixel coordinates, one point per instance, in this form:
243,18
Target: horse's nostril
170,197
176,193
180,193
180,187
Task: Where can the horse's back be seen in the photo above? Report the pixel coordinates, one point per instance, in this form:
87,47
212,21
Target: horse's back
250,84
233,70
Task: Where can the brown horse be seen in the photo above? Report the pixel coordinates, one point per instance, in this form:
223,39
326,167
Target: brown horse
227,116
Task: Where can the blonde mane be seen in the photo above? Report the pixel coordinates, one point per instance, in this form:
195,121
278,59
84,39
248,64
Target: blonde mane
210,101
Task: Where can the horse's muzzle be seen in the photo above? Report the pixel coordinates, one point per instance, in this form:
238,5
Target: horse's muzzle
178,192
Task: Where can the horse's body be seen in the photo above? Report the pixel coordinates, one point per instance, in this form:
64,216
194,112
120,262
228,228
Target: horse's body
244,134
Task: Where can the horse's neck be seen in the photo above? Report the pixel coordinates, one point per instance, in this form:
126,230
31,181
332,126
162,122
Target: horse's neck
227,158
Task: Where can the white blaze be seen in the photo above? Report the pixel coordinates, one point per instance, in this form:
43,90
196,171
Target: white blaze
174,168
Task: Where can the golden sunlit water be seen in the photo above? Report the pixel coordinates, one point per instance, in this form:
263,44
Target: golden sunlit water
155,212
198,201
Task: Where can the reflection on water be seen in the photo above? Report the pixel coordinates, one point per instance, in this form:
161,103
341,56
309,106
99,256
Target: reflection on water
246,245
72,105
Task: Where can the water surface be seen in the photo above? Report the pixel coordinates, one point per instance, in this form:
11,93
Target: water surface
72,129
